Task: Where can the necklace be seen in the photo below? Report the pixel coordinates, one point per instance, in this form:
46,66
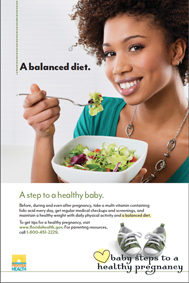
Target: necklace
161,164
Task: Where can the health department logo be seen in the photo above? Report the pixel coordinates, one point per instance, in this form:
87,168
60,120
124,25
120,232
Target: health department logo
18,262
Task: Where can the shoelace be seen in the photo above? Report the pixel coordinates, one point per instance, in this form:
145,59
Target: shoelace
129,237
155,238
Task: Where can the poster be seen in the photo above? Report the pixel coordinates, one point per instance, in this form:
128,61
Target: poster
69,232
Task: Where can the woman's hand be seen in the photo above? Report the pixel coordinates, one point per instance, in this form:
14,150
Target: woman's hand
139,177
40,112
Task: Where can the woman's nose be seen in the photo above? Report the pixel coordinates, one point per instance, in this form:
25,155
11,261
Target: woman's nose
121,66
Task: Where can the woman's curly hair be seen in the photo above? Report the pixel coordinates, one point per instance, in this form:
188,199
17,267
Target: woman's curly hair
170,15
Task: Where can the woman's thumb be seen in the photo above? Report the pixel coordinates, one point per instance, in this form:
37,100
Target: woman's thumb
139,177
34,88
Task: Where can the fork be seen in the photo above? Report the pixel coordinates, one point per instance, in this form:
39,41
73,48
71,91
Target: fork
76,104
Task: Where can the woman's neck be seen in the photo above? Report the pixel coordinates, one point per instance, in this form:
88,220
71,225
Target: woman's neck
166,108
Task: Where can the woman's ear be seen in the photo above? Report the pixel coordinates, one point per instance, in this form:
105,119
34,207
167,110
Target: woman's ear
178,51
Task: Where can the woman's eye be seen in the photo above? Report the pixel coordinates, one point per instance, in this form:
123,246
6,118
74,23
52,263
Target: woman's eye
109,54
136,48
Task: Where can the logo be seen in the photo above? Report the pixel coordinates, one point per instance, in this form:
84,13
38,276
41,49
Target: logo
18,262
102,255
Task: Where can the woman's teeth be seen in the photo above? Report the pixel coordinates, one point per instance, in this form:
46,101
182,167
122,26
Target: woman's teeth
128,85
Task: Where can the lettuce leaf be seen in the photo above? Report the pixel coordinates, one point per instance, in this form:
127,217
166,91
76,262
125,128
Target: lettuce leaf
79,149
96,107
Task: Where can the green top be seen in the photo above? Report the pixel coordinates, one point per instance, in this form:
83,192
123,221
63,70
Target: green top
105,124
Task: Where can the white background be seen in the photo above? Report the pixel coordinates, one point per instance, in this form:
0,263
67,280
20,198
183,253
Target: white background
73,250
45,32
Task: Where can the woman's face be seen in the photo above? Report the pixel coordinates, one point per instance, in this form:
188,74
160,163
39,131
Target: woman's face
138,63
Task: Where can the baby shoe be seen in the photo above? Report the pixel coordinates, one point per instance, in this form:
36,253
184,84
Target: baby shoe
128,242
156,243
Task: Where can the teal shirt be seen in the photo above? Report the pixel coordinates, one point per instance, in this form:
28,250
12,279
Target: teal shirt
105,124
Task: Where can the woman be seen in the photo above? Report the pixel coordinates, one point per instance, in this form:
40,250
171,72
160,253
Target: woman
144,45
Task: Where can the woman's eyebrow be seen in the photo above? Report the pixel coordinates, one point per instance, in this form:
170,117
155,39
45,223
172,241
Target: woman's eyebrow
126,39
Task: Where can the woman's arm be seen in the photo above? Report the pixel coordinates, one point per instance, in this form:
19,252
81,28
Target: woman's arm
41,113
42,171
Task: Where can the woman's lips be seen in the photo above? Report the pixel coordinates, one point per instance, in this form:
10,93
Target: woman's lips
128,86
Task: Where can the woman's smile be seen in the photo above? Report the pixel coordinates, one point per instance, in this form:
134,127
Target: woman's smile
129,85
136,65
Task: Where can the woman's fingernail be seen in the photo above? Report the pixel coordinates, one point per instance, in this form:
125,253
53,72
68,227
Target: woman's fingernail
44,92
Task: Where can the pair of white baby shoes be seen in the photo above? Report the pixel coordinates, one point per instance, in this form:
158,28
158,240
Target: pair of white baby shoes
153,247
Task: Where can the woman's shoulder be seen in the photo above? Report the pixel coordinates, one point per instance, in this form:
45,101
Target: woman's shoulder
104,122
109,104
